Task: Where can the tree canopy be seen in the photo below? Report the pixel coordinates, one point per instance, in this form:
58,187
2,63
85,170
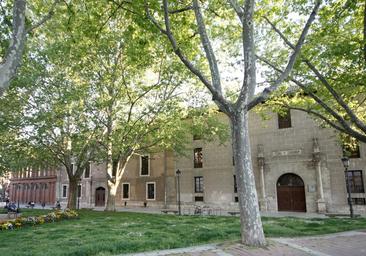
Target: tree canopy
328,81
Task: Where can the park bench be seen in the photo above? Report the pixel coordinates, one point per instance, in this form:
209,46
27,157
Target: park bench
169,211
234,213
14,214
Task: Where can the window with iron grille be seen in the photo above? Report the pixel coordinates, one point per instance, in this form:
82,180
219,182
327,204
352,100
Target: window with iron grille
198,198
144,168
356,181
359,201
87,171
197,154
198,184
150,194
126,191
235,185
79,190
64,191
284,120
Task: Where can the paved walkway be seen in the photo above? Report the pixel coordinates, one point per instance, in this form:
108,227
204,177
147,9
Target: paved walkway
351,243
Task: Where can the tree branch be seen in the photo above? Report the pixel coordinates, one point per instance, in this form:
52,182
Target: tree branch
361,125
296,50
249,80
45,18
13,55
210,55
351,132
347,128
218,98
237,8
184,9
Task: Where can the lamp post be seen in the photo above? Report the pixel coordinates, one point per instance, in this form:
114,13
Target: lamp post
345,161
178,173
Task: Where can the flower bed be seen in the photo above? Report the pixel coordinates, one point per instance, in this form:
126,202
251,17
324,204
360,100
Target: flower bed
37,220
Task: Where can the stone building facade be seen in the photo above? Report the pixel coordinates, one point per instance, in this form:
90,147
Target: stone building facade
148,180
297,167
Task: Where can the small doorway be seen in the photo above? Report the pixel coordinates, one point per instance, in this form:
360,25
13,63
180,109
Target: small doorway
100,196
291,193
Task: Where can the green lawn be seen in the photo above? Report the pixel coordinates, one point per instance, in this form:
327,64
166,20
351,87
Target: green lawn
100,233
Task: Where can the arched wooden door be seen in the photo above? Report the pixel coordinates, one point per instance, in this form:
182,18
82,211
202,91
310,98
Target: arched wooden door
291,193
100,196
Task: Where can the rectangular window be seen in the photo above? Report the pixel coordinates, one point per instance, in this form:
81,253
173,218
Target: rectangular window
125,190
359,201
236,199
284,120
351,151
150,191
79,190
197,154
356,181
87,171
235,185
198,184
198,198
144,165
64,191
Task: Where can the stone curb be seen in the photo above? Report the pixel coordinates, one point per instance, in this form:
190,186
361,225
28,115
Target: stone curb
193,249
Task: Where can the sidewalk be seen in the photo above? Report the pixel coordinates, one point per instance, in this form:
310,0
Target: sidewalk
340,244
221,213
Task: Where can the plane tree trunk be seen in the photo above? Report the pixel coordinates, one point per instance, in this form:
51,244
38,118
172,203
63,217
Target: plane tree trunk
14,53
73,193
114,181
251,224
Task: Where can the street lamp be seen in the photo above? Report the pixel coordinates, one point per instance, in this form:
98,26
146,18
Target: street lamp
345,161
178,173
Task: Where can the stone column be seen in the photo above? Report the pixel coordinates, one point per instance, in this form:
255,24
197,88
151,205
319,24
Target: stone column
13,195
33,187
262,185
53,193
36,193
319,179
43,193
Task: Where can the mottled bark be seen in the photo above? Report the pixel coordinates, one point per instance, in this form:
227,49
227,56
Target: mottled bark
72,193
251,224
115,182
13,56
14,53
111,196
